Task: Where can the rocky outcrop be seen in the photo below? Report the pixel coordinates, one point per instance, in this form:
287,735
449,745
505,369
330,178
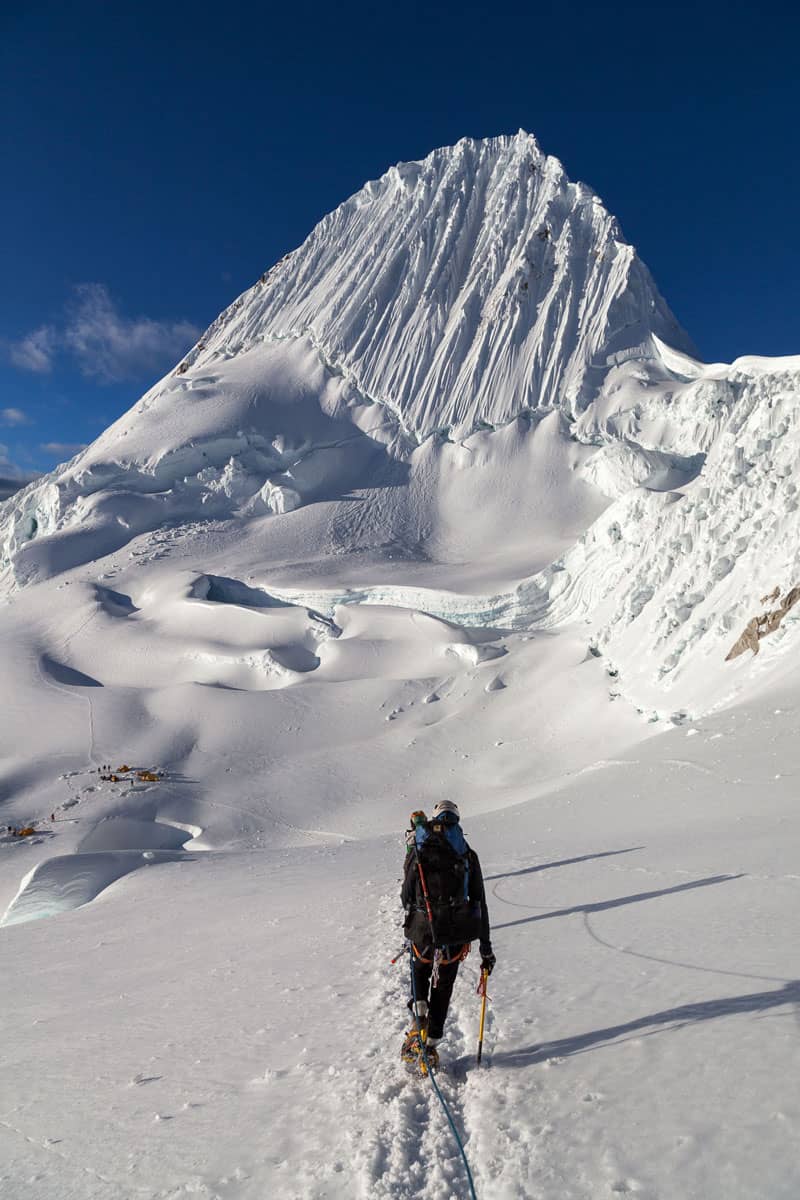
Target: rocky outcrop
764,624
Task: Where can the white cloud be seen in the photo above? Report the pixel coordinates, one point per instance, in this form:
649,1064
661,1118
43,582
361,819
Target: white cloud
105,344
12,416
62,449
35,351
111,347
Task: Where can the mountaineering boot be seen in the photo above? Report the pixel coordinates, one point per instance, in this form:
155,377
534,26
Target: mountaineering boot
413,1055
411,1051
420,1011
411,1048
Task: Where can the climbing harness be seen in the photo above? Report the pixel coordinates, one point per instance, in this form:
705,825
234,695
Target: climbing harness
439,960
462,954
427,1071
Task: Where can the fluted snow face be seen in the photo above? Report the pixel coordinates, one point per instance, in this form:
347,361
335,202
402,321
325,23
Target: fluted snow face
462,289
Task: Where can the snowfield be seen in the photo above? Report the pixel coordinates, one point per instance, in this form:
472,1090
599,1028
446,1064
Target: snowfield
445,506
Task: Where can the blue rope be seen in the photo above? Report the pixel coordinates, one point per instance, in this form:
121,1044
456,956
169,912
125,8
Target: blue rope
436,1087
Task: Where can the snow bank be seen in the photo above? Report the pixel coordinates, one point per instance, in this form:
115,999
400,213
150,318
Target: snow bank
68,881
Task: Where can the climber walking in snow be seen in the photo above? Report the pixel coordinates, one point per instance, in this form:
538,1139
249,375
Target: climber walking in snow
445,905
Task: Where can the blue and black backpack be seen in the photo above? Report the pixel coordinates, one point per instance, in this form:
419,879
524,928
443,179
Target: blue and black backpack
444,858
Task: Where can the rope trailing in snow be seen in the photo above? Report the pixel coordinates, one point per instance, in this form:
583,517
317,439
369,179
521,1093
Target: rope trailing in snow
436,1087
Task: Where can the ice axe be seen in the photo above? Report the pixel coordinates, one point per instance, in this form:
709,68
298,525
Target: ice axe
482,992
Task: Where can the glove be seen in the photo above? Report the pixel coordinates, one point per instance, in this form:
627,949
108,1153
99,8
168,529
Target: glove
487,961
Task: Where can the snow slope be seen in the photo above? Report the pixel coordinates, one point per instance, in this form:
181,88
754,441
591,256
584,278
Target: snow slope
445,505
228,1025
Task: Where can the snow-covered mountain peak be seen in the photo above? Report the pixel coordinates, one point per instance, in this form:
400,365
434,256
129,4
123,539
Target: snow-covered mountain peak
467,367
460,290
451,296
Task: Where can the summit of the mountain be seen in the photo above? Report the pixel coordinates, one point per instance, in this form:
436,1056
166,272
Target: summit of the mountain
464,289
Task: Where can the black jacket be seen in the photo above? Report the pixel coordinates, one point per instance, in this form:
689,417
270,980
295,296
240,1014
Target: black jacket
417,927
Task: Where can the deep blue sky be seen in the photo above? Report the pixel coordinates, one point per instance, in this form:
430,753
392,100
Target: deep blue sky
167,153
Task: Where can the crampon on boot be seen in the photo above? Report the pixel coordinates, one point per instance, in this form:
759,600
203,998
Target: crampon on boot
411,1048
412,1053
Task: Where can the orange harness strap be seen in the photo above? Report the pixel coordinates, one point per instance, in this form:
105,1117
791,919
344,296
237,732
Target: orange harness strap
462,954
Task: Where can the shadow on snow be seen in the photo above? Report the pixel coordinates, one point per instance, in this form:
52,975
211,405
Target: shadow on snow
564,862
670,1018
619,902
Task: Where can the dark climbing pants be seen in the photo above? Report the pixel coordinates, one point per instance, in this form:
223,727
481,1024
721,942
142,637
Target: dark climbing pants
438,997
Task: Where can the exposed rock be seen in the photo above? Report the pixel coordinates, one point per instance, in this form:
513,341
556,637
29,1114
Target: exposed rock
768,622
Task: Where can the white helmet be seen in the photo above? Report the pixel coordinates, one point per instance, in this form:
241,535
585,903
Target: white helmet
446,806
